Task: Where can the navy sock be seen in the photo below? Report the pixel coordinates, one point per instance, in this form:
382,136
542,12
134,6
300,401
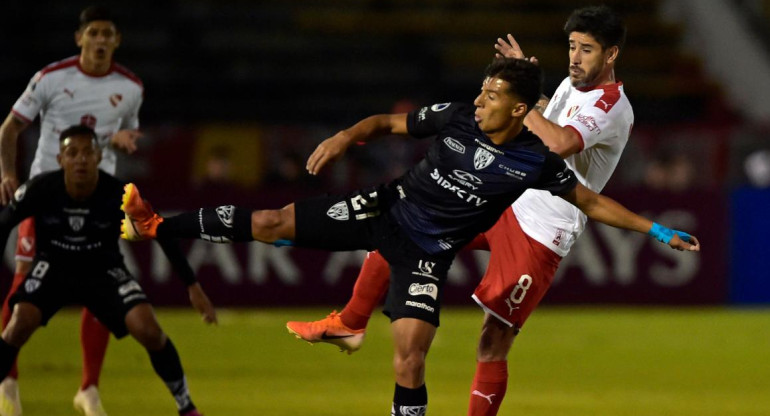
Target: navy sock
223,224
168,366
410,402
8,355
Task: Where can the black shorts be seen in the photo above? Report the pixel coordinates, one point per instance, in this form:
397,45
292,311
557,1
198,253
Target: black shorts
360,221
108,291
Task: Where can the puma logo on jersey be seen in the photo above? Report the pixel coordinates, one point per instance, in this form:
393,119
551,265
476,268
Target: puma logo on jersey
604,104
480,394
70,93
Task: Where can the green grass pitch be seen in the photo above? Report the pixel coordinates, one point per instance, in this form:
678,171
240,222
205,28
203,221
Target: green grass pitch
568,361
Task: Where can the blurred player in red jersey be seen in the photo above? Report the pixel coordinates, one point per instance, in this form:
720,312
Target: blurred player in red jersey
89,89
588,122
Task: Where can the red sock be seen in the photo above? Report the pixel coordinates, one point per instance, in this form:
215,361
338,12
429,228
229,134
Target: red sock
370,287
18,278
93,340
488,389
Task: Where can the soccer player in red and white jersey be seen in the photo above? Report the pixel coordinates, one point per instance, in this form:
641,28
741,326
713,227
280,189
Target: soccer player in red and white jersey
588,122
89,89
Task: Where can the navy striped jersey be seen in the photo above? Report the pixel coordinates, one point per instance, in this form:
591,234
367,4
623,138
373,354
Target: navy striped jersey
465,182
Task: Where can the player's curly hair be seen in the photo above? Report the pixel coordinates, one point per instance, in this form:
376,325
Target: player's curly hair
601,22
524,77
92,13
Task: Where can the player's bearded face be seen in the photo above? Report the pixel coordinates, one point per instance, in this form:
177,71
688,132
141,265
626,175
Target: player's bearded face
79,157
98,41
586,60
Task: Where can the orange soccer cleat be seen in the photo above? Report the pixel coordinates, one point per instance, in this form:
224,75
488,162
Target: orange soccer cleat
330,330
141,222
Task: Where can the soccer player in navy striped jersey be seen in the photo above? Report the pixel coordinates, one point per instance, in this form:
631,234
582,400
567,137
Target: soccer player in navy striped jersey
481,160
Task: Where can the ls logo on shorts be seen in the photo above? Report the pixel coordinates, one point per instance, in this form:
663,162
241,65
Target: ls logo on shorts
32,285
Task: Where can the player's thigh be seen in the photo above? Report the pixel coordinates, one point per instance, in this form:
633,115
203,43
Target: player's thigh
519,273
46,287
110,293
338,222
416,280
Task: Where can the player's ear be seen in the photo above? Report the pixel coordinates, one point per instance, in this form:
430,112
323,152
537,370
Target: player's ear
58,159
612,54
118,39
519,110
79,38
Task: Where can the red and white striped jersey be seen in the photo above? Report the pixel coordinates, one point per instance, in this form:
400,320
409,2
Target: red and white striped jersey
64,95
603,118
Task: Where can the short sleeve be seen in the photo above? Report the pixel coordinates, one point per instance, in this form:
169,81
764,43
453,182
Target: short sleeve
556,177
428,121
33,99
131,120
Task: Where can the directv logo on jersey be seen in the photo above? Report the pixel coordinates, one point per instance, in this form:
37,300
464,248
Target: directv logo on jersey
461,193
416,289
454,145
482,159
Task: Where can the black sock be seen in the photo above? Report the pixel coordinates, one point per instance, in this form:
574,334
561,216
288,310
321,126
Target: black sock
8,355
223,224
168,366
410,402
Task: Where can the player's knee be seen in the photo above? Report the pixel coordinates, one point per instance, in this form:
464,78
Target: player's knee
495,342
25,320
409,365
274,224
150,336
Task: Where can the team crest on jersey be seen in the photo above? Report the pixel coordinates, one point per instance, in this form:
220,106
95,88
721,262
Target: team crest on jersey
225,214
339,211
77,222
482,159
20,192
115,99
32,285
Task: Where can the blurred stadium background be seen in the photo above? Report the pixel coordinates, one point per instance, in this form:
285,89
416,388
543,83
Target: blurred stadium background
238,93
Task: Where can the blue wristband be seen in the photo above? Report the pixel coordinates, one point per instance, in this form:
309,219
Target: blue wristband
665,234
283,243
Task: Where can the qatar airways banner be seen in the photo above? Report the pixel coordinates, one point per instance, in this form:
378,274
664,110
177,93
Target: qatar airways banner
606,265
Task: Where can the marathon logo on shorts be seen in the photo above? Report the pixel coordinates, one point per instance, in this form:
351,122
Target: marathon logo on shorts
339,211
225,214
420,305
118,274
429,289
32,285
454,145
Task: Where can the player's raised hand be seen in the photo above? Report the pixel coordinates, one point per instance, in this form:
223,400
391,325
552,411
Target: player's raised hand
510,49
202,304
329,150
125,140
684,242
8,186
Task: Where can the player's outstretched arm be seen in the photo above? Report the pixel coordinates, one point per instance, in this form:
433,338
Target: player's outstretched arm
9,135
202,304
367,129
610,212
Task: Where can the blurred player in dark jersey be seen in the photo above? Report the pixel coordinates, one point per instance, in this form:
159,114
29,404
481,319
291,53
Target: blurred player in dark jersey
77,261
